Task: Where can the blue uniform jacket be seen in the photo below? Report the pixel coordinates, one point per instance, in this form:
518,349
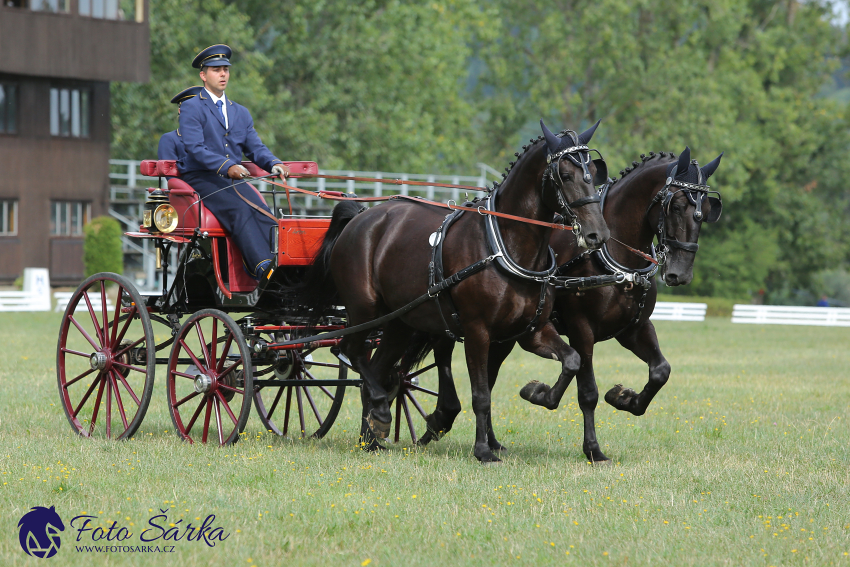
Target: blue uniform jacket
211,147
171,147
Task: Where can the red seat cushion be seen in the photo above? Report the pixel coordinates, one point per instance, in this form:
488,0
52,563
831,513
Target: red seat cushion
184,199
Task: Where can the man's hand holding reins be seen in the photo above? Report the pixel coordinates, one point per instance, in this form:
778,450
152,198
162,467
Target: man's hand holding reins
237,172
282,170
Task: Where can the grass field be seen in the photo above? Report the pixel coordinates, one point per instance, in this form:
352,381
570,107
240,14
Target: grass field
742,460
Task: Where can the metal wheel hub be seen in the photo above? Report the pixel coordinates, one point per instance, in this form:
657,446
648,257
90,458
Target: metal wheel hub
203,383
98,360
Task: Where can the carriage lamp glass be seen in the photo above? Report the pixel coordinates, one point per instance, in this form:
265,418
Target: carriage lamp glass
165,218
156,199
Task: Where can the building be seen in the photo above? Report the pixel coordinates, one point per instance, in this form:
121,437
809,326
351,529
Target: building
58,59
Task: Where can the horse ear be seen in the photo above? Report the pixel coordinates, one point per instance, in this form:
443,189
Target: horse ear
552,141
711,167
684,162
585,136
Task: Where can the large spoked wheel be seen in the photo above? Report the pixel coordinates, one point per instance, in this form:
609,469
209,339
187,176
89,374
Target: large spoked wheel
300,398
105,363
413,393
209,373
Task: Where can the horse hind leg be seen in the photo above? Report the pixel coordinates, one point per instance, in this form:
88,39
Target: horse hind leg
498,353
644,344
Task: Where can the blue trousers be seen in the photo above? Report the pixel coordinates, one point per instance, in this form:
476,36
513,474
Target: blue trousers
250,230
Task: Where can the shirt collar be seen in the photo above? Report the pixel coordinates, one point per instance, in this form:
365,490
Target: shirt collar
214,98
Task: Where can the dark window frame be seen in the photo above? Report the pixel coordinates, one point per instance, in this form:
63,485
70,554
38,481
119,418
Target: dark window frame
6,112
5,205
60,226
75,102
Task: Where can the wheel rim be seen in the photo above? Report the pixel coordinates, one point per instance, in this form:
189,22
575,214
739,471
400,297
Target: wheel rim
104,368
412,393
302,410
209,372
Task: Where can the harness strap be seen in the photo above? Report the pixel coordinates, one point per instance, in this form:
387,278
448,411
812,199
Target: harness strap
584,201
435,273
255,207
686,246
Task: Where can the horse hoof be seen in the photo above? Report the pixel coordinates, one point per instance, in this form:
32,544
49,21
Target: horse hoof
603,463
373,447
535,393
379,429
613,393
621,398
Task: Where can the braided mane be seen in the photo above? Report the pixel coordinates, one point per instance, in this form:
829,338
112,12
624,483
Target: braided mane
643,159
518,155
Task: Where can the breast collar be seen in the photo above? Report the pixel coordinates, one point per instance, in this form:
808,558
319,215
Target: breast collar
496,246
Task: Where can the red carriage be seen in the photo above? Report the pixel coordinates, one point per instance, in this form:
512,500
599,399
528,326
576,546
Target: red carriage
218,333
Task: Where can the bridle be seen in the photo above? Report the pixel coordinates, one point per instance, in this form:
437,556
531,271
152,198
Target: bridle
696,193
553,183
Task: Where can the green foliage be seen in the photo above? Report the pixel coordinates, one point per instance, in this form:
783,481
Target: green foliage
409,86
102,246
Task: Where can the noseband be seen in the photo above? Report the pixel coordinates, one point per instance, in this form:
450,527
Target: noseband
697,194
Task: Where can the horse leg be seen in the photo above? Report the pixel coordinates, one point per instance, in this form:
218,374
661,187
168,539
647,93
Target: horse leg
547,343
448,405
477,353
644,343
588,397
498,353
376,409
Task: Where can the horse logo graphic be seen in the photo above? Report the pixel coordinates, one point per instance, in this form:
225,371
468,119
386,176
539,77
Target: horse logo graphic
39,535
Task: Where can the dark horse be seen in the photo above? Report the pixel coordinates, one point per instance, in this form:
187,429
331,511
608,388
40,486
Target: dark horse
661,196
386,256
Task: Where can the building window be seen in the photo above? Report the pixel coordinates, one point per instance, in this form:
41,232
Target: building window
41,5
70,111
8,108
8,217
67,218
128,10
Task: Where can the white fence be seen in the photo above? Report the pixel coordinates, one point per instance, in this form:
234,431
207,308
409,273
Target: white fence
791,315
35,295
63,297
674,311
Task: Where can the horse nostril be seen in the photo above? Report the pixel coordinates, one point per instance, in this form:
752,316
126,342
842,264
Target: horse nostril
672,279
592,239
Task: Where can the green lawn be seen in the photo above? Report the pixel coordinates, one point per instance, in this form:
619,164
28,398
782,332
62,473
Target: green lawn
742,460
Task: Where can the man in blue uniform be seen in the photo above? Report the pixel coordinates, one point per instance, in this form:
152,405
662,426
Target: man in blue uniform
216,132
170,144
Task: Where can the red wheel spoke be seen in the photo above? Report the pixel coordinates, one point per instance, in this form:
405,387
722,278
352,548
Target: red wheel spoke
124,350
427,391
78,378
128,388
183,375
227,408
93,318
120,403
195,416
274,403
325,364
96,405
313,406
105,327
231,388
286,413
230,369
85,334
218,421
207,420
126,326
108,404
76,352
116,316
409,421
422,371
300,409
397,418
194,358
129,366
322,388
416,403
86,397
213,342
203,342
186,399
224,350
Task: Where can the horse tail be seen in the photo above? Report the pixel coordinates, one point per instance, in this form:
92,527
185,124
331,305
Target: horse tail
418,347
317,291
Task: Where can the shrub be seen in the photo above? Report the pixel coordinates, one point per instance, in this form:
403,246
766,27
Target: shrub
102,246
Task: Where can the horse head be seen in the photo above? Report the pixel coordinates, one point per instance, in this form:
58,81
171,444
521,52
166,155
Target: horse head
39,531
686,202
569,184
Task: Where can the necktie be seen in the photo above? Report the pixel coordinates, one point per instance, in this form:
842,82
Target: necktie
220,104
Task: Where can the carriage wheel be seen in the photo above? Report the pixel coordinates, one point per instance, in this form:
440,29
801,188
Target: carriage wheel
411,393
302,410
209,373
104,367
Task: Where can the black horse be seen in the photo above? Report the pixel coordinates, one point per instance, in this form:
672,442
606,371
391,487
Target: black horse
662,196
389,255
